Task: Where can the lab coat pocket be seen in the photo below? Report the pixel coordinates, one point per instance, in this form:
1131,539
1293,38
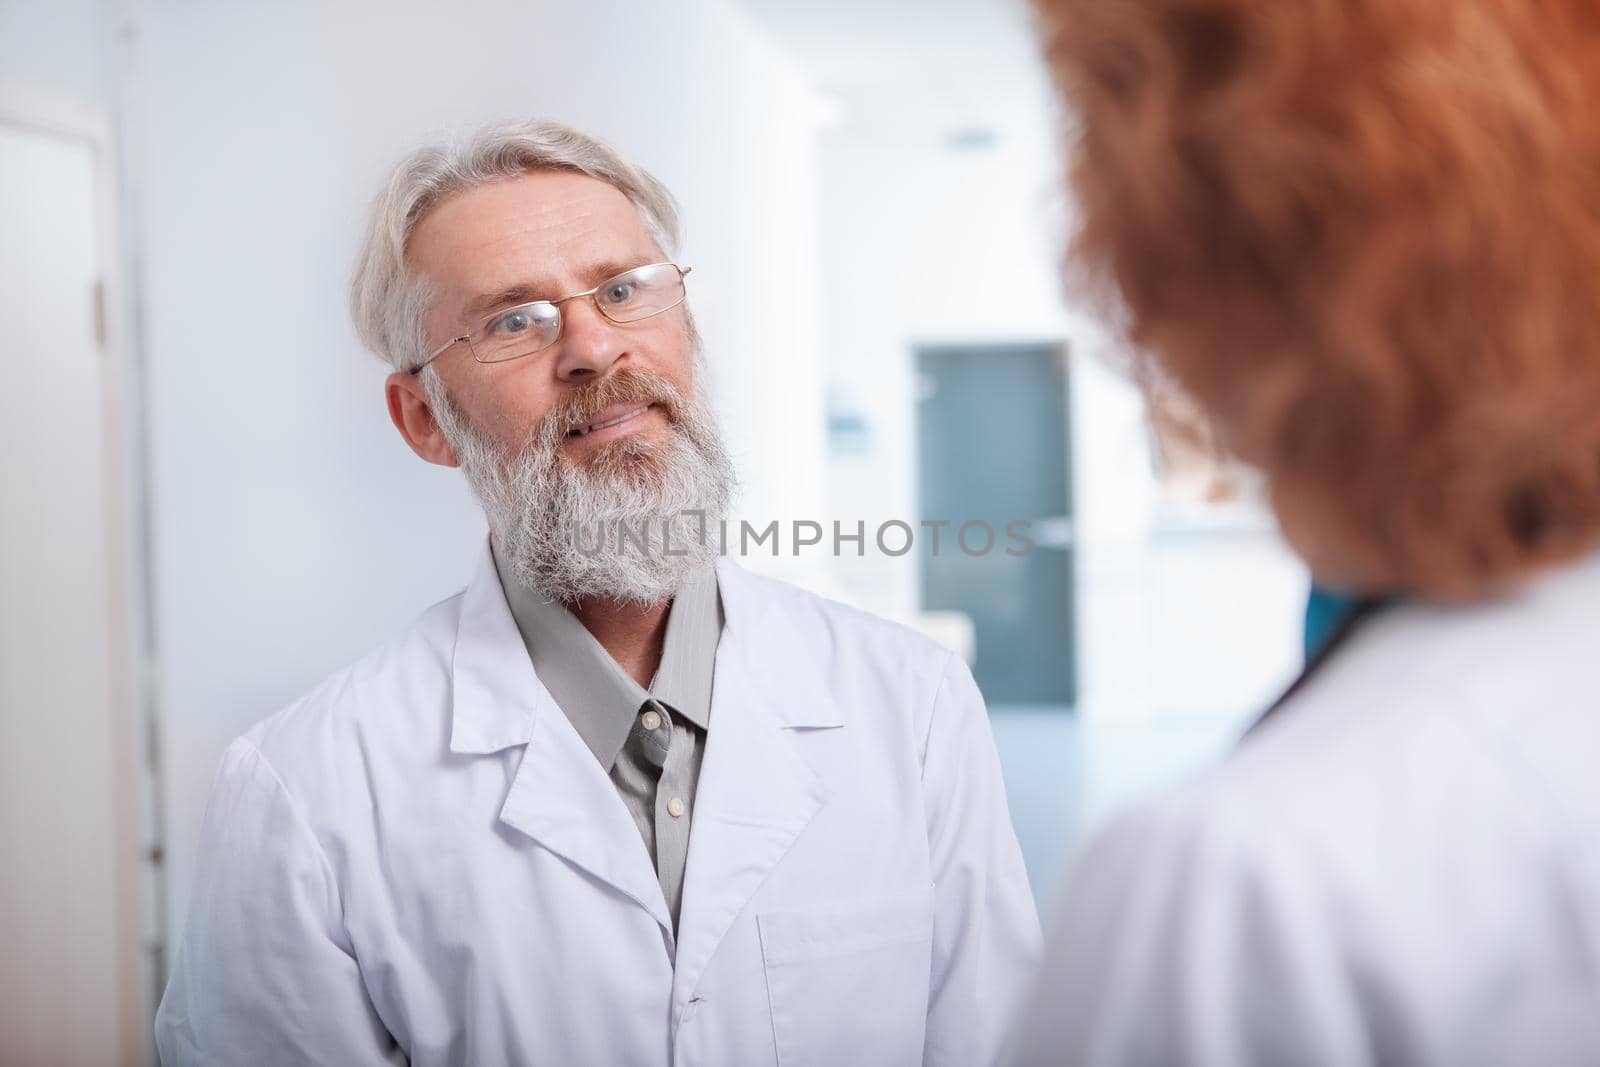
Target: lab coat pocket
848,982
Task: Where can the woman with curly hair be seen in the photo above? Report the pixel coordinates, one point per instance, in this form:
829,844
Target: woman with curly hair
1363,237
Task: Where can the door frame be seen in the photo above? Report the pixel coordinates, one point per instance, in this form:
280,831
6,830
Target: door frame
50,113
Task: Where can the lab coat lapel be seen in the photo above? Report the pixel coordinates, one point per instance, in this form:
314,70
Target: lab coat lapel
560,796
562,799
756,792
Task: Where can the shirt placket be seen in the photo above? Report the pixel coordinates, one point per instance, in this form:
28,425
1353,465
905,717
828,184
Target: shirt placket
669,746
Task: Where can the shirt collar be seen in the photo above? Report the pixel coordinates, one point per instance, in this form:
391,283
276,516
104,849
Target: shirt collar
593,691
689,652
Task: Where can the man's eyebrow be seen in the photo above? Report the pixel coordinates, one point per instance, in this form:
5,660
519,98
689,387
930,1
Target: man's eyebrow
485,304
482,306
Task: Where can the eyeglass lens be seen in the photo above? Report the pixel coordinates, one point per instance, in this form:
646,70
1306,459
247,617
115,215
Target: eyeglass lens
628,297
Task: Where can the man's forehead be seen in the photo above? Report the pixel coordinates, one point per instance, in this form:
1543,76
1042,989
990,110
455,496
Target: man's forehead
551,225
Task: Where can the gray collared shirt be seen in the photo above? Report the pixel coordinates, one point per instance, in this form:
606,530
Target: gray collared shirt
650,743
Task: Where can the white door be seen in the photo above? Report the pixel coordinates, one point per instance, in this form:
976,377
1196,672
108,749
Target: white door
68,957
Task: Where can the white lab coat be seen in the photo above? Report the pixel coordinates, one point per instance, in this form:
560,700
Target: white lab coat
1402,866
421,860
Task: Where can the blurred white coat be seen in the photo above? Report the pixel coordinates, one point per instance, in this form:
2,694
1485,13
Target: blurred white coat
1401,866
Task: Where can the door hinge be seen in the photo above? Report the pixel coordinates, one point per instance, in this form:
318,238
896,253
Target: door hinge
100,313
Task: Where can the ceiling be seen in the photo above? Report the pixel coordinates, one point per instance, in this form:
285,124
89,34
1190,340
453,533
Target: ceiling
961,65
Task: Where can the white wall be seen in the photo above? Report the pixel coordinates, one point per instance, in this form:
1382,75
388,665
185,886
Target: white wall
293,529
62,45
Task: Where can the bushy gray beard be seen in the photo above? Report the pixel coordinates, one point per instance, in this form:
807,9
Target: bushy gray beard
627,524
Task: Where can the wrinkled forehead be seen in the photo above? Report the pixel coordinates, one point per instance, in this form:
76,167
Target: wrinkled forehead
549,230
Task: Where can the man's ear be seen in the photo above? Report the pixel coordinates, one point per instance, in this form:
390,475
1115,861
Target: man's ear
413,417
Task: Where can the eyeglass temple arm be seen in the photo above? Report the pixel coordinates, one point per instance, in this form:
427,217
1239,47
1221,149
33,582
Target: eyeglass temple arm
437,352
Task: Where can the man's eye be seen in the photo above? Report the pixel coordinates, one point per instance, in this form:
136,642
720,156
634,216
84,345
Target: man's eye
514,322
619,292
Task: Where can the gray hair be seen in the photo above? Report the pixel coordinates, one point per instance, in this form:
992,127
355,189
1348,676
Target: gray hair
388,302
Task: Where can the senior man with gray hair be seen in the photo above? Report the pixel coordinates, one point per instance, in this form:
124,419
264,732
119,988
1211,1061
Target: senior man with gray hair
619,801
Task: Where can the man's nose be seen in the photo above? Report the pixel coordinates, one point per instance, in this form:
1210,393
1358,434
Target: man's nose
590,343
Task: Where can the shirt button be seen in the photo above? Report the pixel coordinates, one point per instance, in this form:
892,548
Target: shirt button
675,807
651,720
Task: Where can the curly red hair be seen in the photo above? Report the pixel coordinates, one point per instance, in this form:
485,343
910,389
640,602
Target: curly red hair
1364,235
